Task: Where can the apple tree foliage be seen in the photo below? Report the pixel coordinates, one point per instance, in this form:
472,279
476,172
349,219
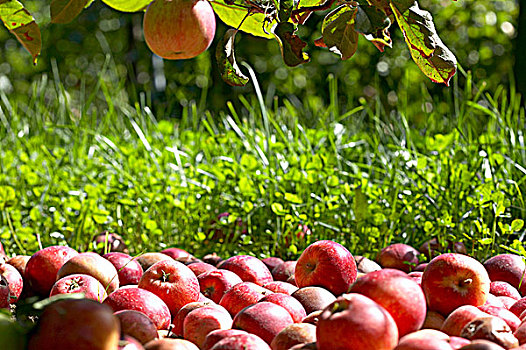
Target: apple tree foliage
345,21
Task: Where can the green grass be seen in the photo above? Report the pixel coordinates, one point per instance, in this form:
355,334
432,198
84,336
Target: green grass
75,163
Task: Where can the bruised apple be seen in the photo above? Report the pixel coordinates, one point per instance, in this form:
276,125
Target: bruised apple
179,29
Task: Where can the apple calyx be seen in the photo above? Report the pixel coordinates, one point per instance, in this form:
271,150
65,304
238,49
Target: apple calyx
165,277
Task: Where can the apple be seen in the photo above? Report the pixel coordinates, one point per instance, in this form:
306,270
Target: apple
81,324
199,322
289,303
80,283
212,259
433,247
170,344
434,320
482,344
42,267
420,267
178,254
92,264
179,29
178,319
460,317
426,339
399,256
216,335
458,342
19,262
272,262
281,287
131,298
354,321
297,333
451,280
490,328
493,301
326,264
106,242
313,317
15,280
146,260
249,268
400,295
5,296
263,319
306,346
137,325
241,342
200,267
128,269
214,284
366,265
313,298
507,302
242,295
416,276
284,271
129,343
501,288
511,319
508,268
519,307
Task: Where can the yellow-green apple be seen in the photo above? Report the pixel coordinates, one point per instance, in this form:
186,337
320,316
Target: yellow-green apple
326,264
425,339
400,295
297,333
242,295
313,298
179,29
4,293
215,336
291,304
171,281
15,280
461,316
263,319
272,262
508,268
128,269
214,284
398,256
132,298
451,280
146,260
241,342
137,325
281,287
365,265
199,322
490,328
501,288
80,283
200,267
511,319
249,268
92,264
283,271
170,344
354,321
42,267
81,324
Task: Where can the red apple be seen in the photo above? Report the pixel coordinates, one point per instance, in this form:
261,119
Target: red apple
399,256
511,319
493,301
4,293
297,333
81,324
313,317
241,342
214,284
92,264
242,295
458,342
284,271
366,265
501,288
170,344
263,319
433,320
15,280
200,267
215,336
326,264
128,298
42,267
249,268
212,259
129,343
313,298
128,269
137,325
482,344
179,29
199,322
460,317
173,282
281,287
490,328
355,321
507,302
19,262
400,295
416,276
508,268
106,242
289,303
146,260
178,319
80,283
519,307
426,339
272,262
178,254
452,280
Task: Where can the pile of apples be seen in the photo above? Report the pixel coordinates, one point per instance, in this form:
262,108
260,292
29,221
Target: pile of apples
327,300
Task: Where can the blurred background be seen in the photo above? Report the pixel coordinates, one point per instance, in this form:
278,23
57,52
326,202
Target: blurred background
482,34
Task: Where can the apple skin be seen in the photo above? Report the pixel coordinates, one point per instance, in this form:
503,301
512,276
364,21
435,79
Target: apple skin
272,262
263,319
179,29
132,298
129,343
137,325
520,333
215,336
398,256
519,307
4,293
19,262
212,259
313,317
248,268
501,288
281,287
327,264
80,283
170,344
426,339
284,271
242,295
173,282
42,267
508,268
289,303
511,319
128,269
115,243
460,317
82,324
178,254
482,344
146,260
200,267
507,302
400,295
178,319
493,301
366,265
241,342
434,320
490,328
354,321
314,298
15,280
214,284
199,322
297,333
451,280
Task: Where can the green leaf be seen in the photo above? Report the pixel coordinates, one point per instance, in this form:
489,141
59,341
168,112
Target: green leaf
290,44
226,61
360,205
22,25
285,10
374,25
234,15
516,225
278,209
418,28
402,5
293,198
127,5
64,11
338,31
7,197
